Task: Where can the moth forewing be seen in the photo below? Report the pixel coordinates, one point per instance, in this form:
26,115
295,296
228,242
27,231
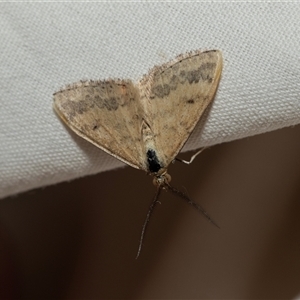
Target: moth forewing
105,113
175,96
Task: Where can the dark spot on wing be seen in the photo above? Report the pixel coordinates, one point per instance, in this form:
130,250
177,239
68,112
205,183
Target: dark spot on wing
201,74
79,107
161,90
182,76
110,103
174,82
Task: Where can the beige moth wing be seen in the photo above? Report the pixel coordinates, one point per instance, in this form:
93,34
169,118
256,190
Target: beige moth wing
107,114
174,97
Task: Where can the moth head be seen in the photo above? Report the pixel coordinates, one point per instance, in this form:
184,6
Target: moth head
162,179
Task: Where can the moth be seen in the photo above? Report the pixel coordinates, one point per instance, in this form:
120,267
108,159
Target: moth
145,124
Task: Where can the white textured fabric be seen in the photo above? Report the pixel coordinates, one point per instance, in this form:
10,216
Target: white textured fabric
46,45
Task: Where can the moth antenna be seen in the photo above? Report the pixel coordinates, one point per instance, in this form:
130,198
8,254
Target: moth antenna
197,206
150,211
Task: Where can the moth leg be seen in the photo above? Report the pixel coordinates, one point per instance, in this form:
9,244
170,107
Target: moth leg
192,158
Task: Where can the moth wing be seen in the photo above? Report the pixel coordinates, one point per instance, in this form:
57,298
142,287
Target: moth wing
107,114
177,94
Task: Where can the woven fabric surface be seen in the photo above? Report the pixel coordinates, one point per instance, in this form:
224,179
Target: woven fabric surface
47,45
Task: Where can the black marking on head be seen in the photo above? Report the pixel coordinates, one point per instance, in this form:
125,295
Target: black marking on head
153,162
191,101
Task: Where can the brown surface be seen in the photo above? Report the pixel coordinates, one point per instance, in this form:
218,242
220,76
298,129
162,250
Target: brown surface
79,239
